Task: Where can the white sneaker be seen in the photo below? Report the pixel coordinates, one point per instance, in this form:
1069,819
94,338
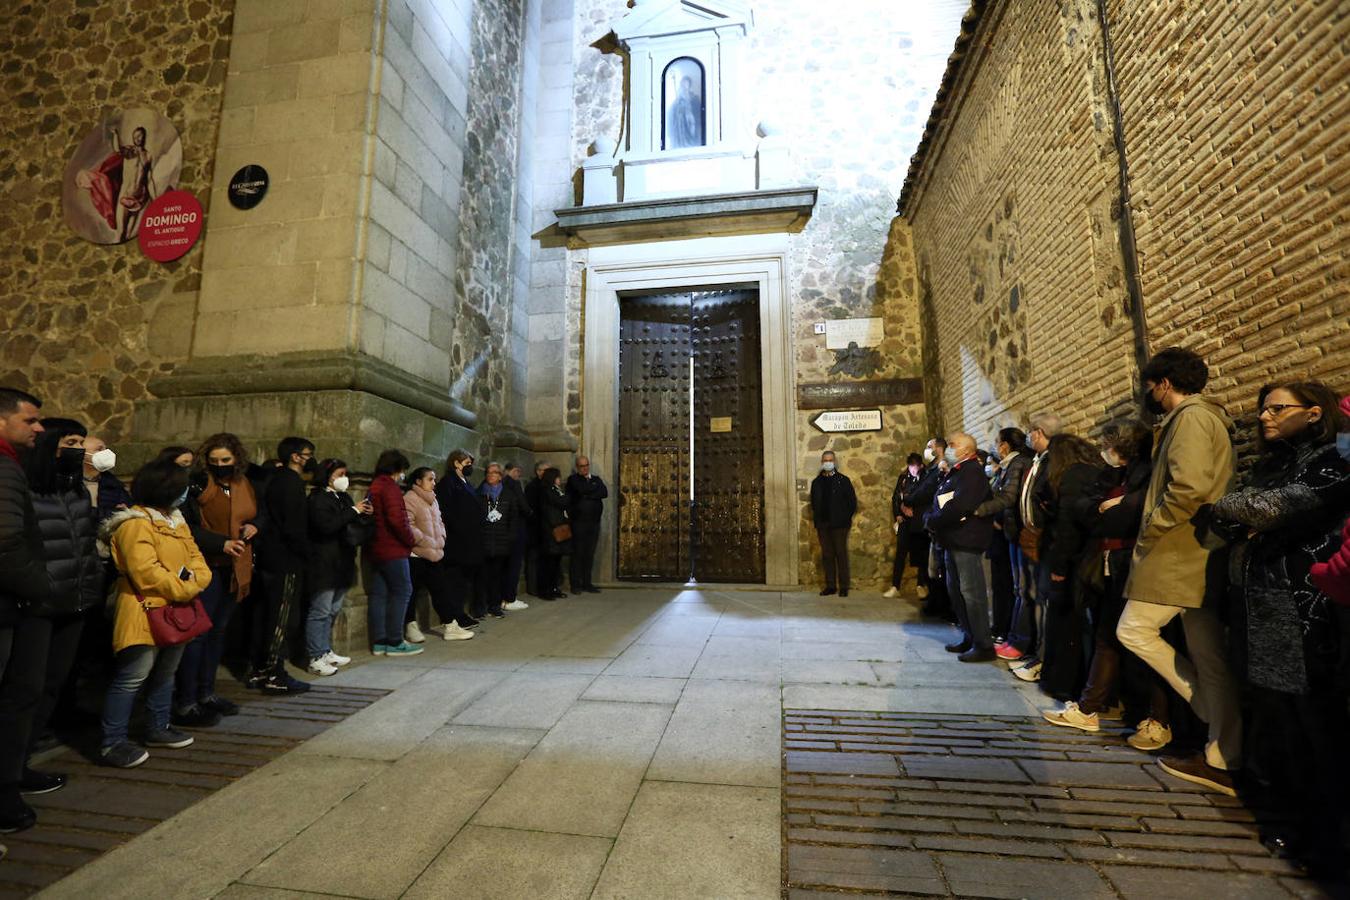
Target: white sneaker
1151,735
923,592
334,659
516,604
321,666
454,633
1029,672
1072,717
891,593
413,634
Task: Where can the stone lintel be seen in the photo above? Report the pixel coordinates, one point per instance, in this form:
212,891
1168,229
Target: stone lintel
752,212
311,371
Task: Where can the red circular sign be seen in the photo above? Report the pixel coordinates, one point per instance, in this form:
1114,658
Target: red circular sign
170,226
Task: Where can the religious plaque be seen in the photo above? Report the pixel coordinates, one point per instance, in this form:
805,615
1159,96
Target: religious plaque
833,395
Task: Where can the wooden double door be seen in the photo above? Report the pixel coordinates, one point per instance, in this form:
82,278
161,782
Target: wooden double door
691,438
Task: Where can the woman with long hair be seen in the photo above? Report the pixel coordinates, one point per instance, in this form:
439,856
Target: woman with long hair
330,570
553,547
158,563
428,572
464,514
223,513
1292,637
390,549
66,523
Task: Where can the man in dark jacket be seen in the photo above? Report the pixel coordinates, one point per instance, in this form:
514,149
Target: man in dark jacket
586,494
524,525
282,554
833,504
965,537
106,490
23,586
937,603
533,501
1005,549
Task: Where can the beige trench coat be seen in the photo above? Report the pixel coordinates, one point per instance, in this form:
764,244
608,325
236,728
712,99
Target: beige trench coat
1192,467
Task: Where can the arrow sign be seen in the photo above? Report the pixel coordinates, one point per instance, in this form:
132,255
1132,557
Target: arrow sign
848,420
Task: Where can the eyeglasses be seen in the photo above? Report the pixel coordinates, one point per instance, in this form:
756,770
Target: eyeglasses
1276,408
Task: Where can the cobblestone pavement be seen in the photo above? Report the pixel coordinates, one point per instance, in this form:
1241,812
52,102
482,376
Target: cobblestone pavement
101,808
882,803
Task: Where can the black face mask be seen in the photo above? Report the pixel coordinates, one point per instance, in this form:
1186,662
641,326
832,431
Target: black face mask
222,473
311,466
1152,405
70,461
467,470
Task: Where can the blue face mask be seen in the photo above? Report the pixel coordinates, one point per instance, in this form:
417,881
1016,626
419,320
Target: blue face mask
950,456
1343,445
182,498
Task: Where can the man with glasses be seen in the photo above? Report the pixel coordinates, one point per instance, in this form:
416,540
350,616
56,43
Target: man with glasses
586,495
1027,630
281,560
1192,468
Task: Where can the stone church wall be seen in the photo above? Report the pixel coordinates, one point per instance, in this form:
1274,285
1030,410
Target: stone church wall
87,326
1237,164
852,121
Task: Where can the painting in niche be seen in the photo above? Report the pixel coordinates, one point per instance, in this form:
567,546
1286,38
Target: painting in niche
682,100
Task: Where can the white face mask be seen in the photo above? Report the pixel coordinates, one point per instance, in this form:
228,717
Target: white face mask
103,460
989,471
341,482
827,466
927,454
1111,459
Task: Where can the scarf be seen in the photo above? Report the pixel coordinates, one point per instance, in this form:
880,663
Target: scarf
225,513
494,491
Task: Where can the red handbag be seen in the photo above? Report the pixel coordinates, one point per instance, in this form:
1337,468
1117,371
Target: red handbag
175,623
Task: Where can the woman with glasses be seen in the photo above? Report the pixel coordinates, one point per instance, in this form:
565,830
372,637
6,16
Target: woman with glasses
1289,634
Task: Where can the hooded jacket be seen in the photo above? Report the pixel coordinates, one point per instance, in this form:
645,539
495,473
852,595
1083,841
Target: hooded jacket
1192,468
424,518
150,550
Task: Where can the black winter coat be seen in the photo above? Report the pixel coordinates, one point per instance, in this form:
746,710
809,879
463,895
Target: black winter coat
553,514
24,583
905,486
212,543
499,538
284,545
1065,538
66,522
1002,506
524,521
585,498
534,500
833,502
920,498
954,523
1292,632
332,562
111,494
464,513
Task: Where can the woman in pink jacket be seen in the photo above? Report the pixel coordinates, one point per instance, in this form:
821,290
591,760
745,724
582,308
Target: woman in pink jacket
1333,576
424,518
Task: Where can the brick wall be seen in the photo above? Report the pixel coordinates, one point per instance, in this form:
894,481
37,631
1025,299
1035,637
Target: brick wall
1232,118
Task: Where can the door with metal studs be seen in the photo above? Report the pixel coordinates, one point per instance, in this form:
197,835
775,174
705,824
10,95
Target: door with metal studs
691,448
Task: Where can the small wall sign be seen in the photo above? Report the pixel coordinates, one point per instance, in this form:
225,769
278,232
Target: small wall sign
171,225
848,420
839,333
248,186
720,425
834,394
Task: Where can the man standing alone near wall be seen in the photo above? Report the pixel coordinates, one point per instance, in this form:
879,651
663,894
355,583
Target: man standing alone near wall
586,494
833,504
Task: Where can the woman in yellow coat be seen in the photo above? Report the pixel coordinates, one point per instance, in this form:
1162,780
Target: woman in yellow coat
157,563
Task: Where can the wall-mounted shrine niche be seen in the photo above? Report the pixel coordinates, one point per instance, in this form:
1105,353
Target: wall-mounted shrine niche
687,132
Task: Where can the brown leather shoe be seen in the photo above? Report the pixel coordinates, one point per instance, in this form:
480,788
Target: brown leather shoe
1197,771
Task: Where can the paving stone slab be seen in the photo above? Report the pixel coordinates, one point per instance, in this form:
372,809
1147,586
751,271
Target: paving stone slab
866,868
984,876
505,864
1176,884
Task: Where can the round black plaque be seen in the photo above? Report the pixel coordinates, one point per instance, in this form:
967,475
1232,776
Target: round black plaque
248,187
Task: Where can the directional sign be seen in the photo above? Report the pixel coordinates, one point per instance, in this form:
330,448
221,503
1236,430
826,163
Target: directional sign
848,420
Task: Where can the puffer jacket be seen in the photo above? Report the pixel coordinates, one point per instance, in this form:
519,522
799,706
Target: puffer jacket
25,583
1007,487
499,538
424,518
66,521
150,550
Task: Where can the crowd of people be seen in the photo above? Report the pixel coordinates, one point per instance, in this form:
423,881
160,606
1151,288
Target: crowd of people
143,581
1141,577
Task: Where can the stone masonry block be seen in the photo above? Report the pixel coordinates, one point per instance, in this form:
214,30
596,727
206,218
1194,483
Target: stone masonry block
297,119
300,41
259,287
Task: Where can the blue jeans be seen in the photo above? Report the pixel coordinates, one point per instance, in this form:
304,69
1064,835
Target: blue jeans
390,591
968,585
1025,627
324,607
196,678
145,665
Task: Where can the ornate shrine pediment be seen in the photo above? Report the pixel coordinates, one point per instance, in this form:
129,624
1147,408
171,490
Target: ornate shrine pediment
663,18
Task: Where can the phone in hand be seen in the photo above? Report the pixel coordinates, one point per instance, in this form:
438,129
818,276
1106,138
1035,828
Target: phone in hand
184,574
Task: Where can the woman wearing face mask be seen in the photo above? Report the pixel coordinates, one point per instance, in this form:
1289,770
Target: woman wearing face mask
499,538
331,568
224,516
464,513
181,456
158,563
428,526
1288,518
553,500
911,541
390,549
1010,571
66,523
1111,512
